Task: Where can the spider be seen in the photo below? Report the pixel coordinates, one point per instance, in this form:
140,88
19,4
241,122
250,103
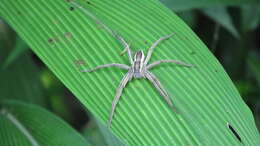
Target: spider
139,68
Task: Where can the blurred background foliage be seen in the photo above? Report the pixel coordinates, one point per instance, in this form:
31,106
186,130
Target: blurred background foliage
231,32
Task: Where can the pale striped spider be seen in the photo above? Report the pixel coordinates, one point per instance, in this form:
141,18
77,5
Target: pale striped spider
138,69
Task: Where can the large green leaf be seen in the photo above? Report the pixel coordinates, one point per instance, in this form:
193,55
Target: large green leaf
204,95
28,125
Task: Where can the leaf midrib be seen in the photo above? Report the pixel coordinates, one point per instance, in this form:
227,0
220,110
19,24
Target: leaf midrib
22,128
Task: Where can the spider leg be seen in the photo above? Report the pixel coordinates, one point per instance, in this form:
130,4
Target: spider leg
168,61
151,77
122,66
92,16
150,51
127,48
126,51
119,90
112,32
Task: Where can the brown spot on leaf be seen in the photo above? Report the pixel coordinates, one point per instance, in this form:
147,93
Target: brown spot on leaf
50,40
56,39
87,1
53,40
79,62
56,22
68,35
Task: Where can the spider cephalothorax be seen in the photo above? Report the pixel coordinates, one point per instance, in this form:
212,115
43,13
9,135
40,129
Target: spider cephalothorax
137,66
139,69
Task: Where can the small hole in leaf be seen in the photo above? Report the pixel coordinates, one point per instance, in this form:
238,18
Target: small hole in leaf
234,132
50,40
71,8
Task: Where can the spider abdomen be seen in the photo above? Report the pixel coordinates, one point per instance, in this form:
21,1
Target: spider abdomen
137,69
137,66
